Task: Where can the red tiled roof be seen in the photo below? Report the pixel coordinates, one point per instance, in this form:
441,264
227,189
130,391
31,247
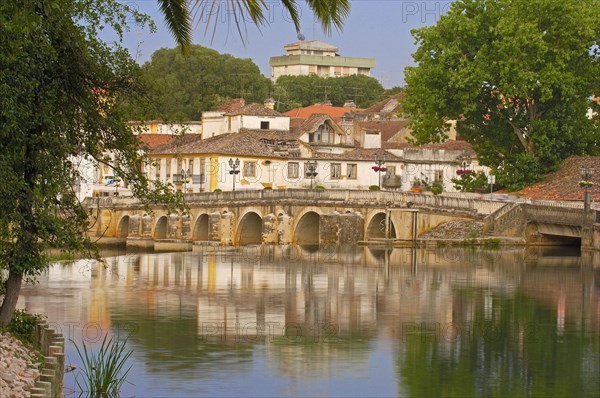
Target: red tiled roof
312,123
388,105
331,111
254,109
232,105
563,184
244,143
357,154
388,128
152,141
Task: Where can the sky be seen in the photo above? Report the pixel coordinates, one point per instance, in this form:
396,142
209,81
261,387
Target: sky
377,29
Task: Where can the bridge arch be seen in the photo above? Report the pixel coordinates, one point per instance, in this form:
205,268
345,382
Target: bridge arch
306,230
123,227
161,228
377,226
201,231
249,229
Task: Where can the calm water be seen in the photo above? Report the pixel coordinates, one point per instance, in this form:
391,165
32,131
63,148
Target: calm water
273,321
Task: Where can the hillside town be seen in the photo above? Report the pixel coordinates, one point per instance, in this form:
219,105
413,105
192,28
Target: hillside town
242,146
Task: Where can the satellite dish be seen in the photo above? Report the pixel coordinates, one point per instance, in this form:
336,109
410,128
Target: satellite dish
301,37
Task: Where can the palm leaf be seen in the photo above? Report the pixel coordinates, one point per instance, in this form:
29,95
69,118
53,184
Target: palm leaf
177,18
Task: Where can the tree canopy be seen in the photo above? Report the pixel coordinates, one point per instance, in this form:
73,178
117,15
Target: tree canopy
517,75
184,86
298,91
60,88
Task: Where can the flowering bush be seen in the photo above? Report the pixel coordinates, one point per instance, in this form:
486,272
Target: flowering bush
377,168
461,172
586,184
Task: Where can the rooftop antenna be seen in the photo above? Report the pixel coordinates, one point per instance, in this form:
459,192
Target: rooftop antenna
325,92
241,75
356,94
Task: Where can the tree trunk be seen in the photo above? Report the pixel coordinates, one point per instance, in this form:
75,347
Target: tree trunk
13,288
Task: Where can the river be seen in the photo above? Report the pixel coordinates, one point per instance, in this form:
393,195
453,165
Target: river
335,321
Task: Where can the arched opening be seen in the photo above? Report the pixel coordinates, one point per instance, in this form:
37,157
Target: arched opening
160,230
123,227
201,228
377,226
249,231
307,229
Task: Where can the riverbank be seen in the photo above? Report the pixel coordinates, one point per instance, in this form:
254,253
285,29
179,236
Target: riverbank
19,367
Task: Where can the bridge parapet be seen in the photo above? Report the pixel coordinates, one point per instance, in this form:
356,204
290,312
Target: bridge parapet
349,197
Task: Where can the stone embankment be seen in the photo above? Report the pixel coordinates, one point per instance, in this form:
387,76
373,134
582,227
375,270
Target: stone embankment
19,368
456,230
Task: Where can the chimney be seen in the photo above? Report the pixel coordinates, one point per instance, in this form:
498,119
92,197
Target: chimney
326,103
269,103
349,104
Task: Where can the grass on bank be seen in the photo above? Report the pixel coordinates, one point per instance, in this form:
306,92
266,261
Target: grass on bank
103,372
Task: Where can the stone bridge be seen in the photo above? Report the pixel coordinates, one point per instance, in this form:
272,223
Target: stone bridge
280,217
549,223
313,217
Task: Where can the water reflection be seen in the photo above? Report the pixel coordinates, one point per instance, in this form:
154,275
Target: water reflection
342,321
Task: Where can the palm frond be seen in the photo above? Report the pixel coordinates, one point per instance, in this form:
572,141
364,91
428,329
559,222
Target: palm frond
177,18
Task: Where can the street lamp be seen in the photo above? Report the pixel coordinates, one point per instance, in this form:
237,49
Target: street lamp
586,183
184,178
379,159
234,165
311,167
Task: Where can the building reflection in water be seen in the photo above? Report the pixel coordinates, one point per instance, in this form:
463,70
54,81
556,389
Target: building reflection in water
467,320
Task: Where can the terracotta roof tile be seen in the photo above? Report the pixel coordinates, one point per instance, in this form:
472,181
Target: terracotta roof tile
388,105
388,129
244,143
331,111
357,154
232,105
254,109
563,184
152,141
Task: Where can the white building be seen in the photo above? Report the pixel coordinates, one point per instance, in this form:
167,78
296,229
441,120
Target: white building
315,57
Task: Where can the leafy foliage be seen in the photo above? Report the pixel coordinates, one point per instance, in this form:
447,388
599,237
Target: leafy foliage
103,372
517,75
184,86
22,325
60,91
298,91
471,182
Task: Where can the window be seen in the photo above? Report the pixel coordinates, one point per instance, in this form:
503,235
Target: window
249,169
336,171
157,169
293,170
168,168
264,125
439,175
351,170
391,170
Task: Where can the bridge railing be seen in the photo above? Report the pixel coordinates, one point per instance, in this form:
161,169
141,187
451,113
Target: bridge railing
478,203
387,198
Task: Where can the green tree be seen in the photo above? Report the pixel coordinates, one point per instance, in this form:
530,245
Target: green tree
60,88
518,76
296,91
184,86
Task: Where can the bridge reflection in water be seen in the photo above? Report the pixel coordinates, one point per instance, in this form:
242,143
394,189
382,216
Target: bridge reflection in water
292,320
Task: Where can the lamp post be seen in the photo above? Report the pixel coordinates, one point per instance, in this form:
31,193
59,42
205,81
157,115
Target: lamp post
311,167
379,159
234,165
586,176
184,178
